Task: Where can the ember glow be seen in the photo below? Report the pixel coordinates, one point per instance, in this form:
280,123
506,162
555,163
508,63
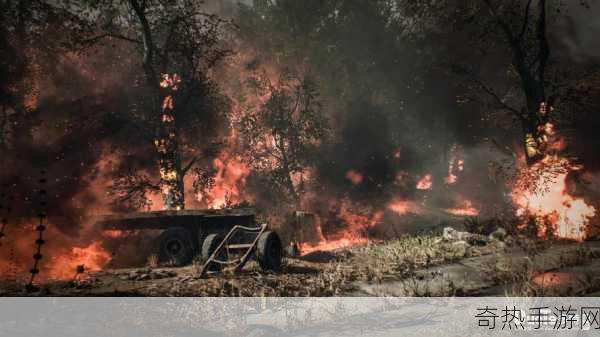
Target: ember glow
455,165
465,209
425,183
401,207
355,177
553,279
450,179
113,233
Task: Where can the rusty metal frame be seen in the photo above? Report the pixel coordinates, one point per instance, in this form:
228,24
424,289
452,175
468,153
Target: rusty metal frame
240,262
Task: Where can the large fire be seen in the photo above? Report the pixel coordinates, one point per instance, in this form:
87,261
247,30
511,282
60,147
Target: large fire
549,201
63,257
92,257
229,181
541,192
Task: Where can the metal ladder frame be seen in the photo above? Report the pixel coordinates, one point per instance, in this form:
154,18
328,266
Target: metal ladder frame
240,262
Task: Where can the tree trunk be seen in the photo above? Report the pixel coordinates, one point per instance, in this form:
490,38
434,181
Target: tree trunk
534,121
164,86
288,178
169,161
285,165
532,76
291,187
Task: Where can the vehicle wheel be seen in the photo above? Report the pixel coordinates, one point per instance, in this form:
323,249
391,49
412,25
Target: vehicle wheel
269,251
175,247
209,245
200,241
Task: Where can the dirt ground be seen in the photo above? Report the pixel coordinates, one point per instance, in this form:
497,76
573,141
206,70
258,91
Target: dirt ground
423,265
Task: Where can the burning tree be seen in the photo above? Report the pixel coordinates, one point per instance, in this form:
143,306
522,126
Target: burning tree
540,190
534,84
177,44
280,135
523,28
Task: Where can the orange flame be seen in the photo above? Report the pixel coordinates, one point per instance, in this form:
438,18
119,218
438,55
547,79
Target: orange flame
229,181
113,233
401,207
425,182
354,177
92,257
455,165
329,245
465,209
61,253
357,221
569,216
541,191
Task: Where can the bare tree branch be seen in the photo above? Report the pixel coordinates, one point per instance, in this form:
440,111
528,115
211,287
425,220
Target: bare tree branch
109,35
525,19
189,165
498,99
544,48
149,48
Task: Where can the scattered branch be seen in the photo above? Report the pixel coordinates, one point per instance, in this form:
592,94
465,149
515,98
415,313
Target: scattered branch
130,190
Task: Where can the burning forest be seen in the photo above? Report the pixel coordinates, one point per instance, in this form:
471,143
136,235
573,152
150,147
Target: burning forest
145,141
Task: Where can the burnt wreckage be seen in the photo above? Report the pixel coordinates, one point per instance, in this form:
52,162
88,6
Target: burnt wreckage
227,237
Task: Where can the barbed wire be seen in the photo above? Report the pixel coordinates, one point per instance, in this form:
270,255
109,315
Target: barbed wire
5,208
39,242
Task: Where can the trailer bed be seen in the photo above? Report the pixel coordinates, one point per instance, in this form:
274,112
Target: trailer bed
182,218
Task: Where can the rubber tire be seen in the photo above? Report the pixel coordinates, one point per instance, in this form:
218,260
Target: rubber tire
210,244
269,251
185,252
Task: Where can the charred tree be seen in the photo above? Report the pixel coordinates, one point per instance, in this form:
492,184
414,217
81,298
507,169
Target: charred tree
530,51
520,75
169,163
177,44
280,135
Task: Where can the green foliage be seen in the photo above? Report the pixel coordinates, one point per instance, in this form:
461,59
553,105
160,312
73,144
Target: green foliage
280,136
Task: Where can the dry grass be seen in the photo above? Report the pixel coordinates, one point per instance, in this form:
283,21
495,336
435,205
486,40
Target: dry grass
401,257
339,273
334,277
152,261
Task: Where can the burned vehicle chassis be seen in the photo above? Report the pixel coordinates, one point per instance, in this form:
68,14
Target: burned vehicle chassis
186,234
